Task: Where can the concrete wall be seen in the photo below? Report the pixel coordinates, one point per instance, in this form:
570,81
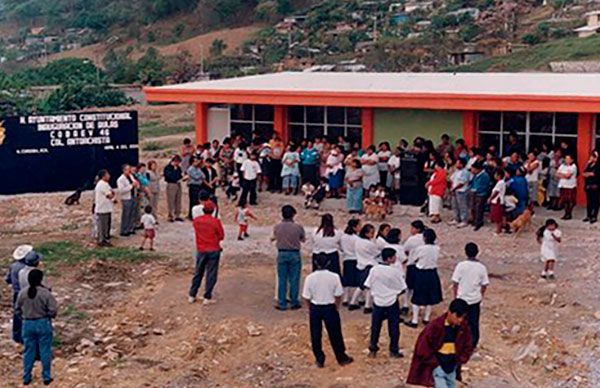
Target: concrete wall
395,124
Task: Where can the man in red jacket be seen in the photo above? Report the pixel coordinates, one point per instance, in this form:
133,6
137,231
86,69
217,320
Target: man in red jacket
442,347
209,234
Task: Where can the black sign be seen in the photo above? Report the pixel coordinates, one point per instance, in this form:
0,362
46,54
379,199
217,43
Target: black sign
64,152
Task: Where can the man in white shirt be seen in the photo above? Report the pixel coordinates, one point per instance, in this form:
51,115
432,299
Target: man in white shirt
323,294
386,284
103,207
394,170
460,191
126,187
250,171
470,280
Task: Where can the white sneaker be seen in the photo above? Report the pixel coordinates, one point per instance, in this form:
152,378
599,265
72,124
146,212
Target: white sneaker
191,299
453,222
207,302
462,225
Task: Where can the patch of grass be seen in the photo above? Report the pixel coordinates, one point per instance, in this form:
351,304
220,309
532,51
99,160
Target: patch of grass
159,131
539,56
56,340
71,311
153,146
69,252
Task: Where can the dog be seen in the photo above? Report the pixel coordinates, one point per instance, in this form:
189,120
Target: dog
74,198
522,222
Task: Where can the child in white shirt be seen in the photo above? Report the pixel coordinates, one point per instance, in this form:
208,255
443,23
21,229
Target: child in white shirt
471,280
549,236
394,242
149,223
367,256
241,217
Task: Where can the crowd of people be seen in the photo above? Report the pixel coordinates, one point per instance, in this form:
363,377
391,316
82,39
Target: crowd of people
363,266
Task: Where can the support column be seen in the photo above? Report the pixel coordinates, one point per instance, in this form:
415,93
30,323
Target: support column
368,130
585,136
470,135
280,122
201,122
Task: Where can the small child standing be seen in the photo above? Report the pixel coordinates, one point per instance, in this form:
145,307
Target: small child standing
242,215
149,223
233,187
549,236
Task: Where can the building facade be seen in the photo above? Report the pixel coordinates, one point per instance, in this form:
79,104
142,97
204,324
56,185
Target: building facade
367,108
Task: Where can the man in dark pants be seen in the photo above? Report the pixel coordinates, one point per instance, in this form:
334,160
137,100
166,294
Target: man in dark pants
480,187
196,181
309,163
323,294
12,278
209,234
386,283
251,172
470,279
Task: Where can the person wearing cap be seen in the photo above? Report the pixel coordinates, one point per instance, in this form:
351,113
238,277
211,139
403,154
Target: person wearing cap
323,294
480,188
386,283
442,348
209,233
37,307
31,260
12,278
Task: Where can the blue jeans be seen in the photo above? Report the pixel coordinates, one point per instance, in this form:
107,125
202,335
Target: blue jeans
443,379
290,182
289,265
354,199
17,328
37,334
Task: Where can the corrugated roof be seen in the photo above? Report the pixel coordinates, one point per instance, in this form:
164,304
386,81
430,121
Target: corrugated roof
514,84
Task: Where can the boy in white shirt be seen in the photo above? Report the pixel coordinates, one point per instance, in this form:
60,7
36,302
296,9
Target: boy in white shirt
149,223
470,279
323,294
386,283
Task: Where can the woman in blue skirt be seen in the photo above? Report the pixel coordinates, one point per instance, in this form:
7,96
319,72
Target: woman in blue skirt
354,182
427,285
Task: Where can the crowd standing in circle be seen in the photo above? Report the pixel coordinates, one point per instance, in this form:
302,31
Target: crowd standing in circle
360,267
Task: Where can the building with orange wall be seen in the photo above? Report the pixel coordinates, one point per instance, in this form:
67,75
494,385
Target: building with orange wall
482,108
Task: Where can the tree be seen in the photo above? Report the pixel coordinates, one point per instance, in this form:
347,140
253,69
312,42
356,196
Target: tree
151,68
178,30
217,47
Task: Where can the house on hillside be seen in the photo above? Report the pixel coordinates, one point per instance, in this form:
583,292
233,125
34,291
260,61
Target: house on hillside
364,47
472,12
465,57
592,27
413,6
341,29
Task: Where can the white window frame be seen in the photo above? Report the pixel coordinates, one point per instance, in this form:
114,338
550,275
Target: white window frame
325,123
527,134
252,121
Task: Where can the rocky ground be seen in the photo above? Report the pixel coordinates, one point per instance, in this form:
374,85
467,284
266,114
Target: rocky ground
126,323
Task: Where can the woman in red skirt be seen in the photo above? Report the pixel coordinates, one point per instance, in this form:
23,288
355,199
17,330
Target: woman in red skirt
497,201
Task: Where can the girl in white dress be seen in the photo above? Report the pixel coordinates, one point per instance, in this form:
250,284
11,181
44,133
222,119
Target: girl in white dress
549,236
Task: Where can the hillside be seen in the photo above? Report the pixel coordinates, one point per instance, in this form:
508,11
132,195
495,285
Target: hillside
540,56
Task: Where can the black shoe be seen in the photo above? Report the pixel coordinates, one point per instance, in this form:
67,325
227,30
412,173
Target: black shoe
296,307
346,361
320,365
368,310
246,235
26,382
476,228
586,219
345,304
361,303
593,221
48,382
179,219
278,307
353,307
396,355
425,322
240,238
411,325
404,311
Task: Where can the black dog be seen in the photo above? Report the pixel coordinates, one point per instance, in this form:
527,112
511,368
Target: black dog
73,199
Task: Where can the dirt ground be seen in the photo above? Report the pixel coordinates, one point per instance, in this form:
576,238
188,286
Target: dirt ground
128,324
137,328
